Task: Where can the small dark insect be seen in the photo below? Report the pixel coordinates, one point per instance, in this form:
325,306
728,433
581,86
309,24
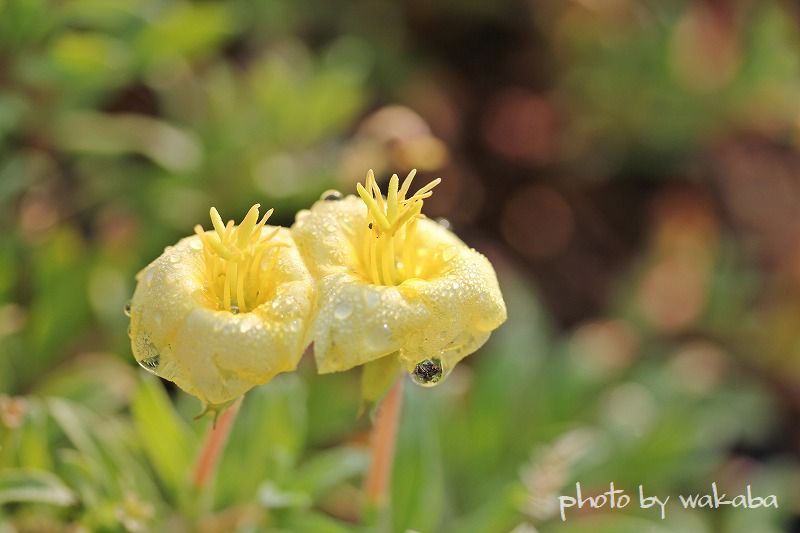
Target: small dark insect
428,371
370,225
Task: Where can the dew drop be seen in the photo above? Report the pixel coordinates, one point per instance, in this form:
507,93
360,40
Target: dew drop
151,363
428,372
443,222
371,298
449,254
378,337
127,309
343,310
235,309
174,259
331,195
195,244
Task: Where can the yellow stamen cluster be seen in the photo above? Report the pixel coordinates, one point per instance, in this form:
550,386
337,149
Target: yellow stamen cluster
388,252
237,270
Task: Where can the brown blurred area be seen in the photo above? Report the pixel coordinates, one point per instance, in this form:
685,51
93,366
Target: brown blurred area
527,169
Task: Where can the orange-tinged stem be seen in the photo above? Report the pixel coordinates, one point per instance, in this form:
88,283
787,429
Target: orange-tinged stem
213,446
382,443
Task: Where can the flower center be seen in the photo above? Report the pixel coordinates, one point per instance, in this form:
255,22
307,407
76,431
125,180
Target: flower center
238,260
391,251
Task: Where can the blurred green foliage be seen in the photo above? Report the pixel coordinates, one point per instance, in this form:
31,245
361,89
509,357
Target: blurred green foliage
122,121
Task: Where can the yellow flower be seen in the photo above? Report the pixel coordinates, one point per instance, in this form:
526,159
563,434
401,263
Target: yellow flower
223,310
392,281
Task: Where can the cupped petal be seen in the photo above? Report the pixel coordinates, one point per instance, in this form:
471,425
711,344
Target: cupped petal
326,235
178,332
448,315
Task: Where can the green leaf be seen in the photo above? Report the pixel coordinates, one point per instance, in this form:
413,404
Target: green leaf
34,486
377,376
107,450
167,440
115,135
418,492
328,469
266,441
317,522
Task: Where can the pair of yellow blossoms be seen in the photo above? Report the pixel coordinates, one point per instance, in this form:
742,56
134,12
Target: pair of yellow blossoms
361,277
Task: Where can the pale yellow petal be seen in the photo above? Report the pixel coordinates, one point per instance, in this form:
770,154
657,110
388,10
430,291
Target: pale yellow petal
214,354
448,315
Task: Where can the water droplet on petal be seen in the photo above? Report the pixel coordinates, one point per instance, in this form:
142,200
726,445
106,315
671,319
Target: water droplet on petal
174,259
127,309
371,298
195,244
343,310
428,372
331,195
303,213
235,309
151,363
379,337
443,222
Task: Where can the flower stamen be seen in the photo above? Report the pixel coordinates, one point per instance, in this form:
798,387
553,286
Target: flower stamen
388,253
237,276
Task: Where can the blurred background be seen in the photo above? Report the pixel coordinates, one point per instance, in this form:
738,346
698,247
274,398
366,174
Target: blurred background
631,167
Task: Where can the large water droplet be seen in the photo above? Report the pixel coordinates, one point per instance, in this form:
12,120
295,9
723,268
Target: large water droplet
127,309
331,195
151,363
195,244
443,222
343,310
428,372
